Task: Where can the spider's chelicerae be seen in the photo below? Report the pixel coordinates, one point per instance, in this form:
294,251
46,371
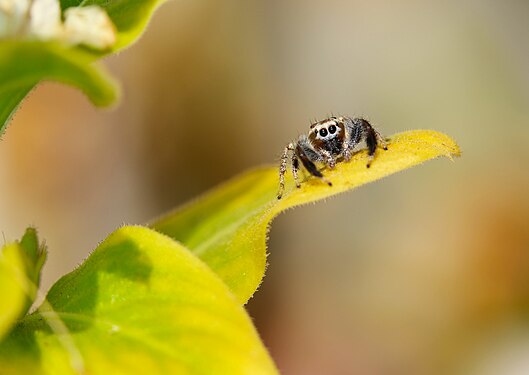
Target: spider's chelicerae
328,141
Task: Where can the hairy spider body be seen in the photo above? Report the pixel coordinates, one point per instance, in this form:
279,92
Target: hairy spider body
329,141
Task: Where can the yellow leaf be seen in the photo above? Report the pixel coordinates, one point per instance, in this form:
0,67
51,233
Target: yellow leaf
227,227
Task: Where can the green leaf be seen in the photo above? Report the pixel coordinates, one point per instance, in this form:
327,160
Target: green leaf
70,65
34,257
20,265
227,227
140,304
23,64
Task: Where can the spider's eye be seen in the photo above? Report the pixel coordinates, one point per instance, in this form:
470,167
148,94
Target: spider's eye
332,129
323,132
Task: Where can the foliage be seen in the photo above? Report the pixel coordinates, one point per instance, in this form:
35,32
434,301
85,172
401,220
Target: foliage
24,62
140,304
144,303
168,297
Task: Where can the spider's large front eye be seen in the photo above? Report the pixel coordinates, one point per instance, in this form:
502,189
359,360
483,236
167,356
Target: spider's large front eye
332,129
323,132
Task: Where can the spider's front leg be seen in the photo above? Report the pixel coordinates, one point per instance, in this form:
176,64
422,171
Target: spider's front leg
283,169
308,164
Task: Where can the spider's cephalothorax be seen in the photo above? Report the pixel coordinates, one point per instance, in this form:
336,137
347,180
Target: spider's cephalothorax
328,141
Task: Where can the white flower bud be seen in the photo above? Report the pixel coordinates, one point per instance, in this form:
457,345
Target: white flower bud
89,25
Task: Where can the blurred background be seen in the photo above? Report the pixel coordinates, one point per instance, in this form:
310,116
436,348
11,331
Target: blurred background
425,272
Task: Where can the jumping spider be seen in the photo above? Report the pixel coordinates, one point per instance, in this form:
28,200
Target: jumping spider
328,141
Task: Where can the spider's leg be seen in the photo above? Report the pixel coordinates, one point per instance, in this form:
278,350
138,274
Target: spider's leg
373,138
295,168
283,169
310,166
347,145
